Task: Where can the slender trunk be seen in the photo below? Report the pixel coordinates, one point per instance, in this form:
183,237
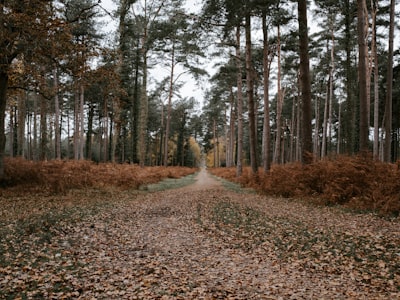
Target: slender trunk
215,145
317,120
105,130
298,125
266,71
169,108
279,104
389,88
82,121
3,101
43,129
143,112
89,132
35,129
374,4
339,135
57,132
239,167
362,74
292,128
331,73
232,130
76,125
161,135
227,143
21,129
250,97
11,132
325,122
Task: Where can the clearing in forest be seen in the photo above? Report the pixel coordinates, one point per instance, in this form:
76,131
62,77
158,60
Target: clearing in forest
202,241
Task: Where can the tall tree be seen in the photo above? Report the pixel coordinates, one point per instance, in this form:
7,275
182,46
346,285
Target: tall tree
389,88
305,84
24,30
362,27
239,160
176,44
250,93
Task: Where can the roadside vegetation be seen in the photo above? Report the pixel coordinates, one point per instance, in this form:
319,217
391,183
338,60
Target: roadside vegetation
59,177
358,182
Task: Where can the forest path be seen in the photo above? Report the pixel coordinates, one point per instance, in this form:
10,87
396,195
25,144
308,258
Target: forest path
203,241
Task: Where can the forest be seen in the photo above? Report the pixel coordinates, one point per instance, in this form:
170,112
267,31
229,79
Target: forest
199,149
275,81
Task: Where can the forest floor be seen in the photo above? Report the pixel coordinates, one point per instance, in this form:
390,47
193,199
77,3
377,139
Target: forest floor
207,240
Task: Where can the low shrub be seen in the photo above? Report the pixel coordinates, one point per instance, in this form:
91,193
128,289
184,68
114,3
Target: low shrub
358,182
58,176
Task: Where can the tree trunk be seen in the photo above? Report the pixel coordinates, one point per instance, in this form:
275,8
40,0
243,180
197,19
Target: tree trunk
57,131
266,142
374,49
89,132
231,131
279,104
169,107
239,167
82,121
317,124
250,97
307,145
21,127
362,74
3,101
349,127
325,122
389,88
76,125
35,128
11,132
331,86
143,111
105,131
43,129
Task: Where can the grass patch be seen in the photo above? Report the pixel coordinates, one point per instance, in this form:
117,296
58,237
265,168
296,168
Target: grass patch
170,183
233,186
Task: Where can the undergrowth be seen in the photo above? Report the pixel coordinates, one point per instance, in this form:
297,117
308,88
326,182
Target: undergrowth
59,177
357,182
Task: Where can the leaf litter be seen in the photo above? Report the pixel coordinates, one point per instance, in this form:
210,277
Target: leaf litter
201,241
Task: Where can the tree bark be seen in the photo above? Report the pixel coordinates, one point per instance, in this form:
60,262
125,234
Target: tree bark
376,79
76,125
57,132
279,104
266,156
43,129
169,107
3,101
239,167
307,145
82,121
362,74
389,88
250,97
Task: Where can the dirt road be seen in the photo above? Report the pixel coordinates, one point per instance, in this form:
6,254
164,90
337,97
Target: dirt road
206,242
